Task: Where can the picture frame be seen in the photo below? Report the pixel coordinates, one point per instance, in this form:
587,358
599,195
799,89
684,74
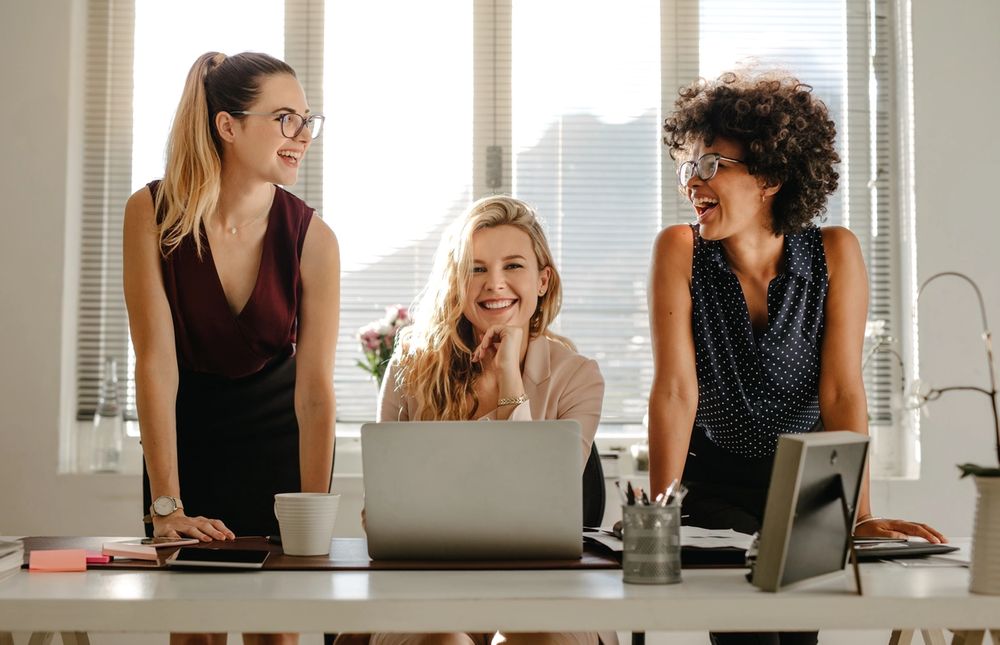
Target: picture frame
811,507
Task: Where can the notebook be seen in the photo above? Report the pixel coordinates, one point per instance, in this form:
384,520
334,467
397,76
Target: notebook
477,490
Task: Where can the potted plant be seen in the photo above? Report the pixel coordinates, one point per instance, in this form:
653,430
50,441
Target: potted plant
985,565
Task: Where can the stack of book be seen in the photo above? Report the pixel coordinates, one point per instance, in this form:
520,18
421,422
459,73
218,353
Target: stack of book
153,549
11,557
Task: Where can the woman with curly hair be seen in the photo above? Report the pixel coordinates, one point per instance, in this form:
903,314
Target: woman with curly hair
480,347
757,315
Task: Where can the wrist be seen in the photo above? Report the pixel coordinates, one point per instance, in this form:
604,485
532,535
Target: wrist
512,401
865,519
164,506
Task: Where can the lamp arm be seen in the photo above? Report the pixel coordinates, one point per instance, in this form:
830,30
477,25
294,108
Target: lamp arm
935,393
987,339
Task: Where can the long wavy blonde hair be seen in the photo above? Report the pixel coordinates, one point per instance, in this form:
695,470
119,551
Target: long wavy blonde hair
435,357
189,192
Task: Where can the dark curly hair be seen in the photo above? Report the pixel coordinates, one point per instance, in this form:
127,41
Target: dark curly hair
786,131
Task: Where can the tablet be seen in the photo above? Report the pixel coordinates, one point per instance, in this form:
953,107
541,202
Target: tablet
209,558
874,551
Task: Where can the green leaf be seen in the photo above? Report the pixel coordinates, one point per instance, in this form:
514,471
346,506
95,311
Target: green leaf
978,471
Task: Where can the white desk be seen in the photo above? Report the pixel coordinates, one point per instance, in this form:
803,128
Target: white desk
428,601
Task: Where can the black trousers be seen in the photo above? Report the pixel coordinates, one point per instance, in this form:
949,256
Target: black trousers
726,491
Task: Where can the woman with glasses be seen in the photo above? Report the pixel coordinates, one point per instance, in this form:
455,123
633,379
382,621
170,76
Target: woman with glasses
757,315
232,287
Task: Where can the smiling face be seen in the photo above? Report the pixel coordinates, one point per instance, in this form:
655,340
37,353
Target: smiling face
506,282
257,143
733,199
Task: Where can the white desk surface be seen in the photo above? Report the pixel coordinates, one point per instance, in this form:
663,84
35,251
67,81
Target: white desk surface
428,601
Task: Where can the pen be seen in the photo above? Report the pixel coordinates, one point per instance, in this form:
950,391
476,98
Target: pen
667,494
645,497
629,494
621,493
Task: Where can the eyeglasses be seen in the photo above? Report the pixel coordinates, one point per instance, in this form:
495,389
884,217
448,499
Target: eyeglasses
705,167
292,123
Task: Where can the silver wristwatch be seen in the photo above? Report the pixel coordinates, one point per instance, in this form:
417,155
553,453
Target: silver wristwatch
165,505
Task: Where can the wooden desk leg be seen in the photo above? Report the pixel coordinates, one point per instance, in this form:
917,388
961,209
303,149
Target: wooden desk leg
995,635
901,637
45,638
6,638
968,637
933,636
41,638
75,638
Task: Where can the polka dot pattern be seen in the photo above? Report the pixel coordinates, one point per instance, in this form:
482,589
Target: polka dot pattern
751,389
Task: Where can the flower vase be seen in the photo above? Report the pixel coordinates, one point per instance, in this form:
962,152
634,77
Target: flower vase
985,565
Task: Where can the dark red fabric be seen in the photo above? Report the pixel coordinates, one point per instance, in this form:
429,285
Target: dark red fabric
210,338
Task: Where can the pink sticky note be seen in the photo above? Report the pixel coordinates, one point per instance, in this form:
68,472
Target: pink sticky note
93,557
57,560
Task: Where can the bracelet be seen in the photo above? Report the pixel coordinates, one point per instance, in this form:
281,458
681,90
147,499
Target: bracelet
515,401
870,518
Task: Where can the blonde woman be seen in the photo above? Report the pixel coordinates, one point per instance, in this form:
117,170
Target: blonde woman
480,348
232,288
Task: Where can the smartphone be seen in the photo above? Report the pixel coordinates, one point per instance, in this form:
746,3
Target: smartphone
168,541
190,557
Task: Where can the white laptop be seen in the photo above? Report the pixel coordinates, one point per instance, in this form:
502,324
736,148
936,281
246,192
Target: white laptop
473,490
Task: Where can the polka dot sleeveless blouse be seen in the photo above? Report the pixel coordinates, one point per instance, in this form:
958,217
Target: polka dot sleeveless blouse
753,388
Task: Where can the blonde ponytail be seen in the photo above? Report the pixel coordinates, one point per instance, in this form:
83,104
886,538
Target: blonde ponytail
189,193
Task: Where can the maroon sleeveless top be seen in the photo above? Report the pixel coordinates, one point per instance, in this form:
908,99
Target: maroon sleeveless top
209,337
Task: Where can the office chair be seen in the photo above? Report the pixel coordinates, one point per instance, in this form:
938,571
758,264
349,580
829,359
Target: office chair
593,490
593,506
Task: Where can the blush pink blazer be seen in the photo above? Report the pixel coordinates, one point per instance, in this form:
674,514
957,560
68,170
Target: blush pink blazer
559,384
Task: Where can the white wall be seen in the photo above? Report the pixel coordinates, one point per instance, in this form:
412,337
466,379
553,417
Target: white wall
955,58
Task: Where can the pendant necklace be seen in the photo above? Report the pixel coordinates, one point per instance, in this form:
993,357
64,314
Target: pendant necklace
234,229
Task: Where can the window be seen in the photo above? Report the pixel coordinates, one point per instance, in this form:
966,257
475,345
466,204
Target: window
431,106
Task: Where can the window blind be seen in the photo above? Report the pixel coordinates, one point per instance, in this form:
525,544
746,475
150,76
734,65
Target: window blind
398,165
557,102
107,167
304,52
586,152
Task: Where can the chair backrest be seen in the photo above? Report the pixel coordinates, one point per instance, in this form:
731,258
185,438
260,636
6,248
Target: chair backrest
593,489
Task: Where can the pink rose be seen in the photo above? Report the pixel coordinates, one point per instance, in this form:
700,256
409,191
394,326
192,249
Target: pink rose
370,338
397,315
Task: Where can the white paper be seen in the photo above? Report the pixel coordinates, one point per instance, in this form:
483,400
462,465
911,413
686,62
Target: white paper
691,536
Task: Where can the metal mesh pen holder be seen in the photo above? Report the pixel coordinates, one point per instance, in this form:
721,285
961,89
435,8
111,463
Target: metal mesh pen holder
651,536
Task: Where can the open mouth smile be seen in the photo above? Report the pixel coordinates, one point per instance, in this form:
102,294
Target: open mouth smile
704,206
291,158
498,304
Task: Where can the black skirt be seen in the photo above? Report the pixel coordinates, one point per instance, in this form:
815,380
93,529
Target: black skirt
237,445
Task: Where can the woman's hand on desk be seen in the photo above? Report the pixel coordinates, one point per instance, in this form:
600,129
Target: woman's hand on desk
177,524
888,528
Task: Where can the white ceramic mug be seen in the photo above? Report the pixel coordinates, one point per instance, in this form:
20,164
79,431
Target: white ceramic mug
306,521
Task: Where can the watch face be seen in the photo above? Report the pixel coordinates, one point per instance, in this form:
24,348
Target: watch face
164,506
